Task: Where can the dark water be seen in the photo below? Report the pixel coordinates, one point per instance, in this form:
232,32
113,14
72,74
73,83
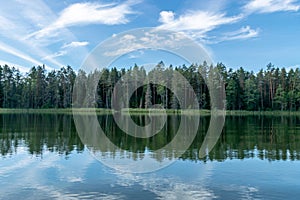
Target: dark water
42,157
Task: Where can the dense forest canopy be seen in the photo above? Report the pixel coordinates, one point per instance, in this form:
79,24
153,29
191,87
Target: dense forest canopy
269,89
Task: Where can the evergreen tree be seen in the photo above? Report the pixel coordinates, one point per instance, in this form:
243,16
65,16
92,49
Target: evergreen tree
270,89
148,97
251,94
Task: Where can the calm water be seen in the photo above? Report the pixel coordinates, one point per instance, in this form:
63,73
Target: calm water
42,157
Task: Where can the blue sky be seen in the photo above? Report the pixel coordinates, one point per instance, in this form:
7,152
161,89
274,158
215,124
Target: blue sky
238,33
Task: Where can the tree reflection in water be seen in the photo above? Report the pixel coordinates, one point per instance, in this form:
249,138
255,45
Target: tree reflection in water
263,137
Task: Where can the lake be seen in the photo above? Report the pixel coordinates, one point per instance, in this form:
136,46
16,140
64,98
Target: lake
43,157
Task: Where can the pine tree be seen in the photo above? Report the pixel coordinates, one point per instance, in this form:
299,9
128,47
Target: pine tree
280,97
148,97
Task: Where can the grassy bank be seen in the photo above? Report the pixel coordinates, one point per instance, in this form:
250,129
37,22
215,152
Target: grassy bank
139,111
53,111
266,113
228,112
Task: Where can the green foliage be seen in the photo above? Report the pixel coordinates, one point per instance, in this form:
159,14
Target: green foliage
269,89
36,89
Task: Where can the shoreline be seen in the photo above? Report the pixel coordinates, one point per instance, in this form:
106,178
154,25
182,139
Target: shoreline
137,111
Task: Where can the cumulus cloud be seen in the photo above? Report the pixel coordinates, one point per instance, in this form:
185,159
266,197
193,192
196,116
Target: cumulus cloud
198,22
166,17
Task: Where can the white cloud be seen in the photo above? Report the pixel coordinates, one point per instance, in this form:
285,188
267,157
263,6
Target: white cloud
74,44
17,53
269,6
37,12
294,67
31,16
166,16
173,186
55,55
88,13
64,48
153,39
243,33
19,67
128,37
6,170
127,43
6,23
196,23
136,54
36,17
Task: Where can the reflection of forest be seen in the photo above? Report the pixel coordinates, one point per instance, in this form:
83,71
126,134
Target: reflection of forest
271,138
38,132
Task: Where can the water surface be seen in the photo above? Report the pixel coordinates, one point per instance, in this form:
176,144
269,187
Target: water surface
43,157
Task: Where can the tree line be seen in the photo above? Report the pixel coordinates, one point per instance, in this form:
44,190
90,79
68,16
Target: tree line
37,88
271,88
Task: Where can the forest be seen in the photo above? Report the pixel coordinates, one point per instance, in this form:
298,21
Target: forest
271,88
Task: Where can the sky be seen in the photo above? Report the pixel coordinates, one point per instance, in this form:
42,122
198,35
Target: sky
248,34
